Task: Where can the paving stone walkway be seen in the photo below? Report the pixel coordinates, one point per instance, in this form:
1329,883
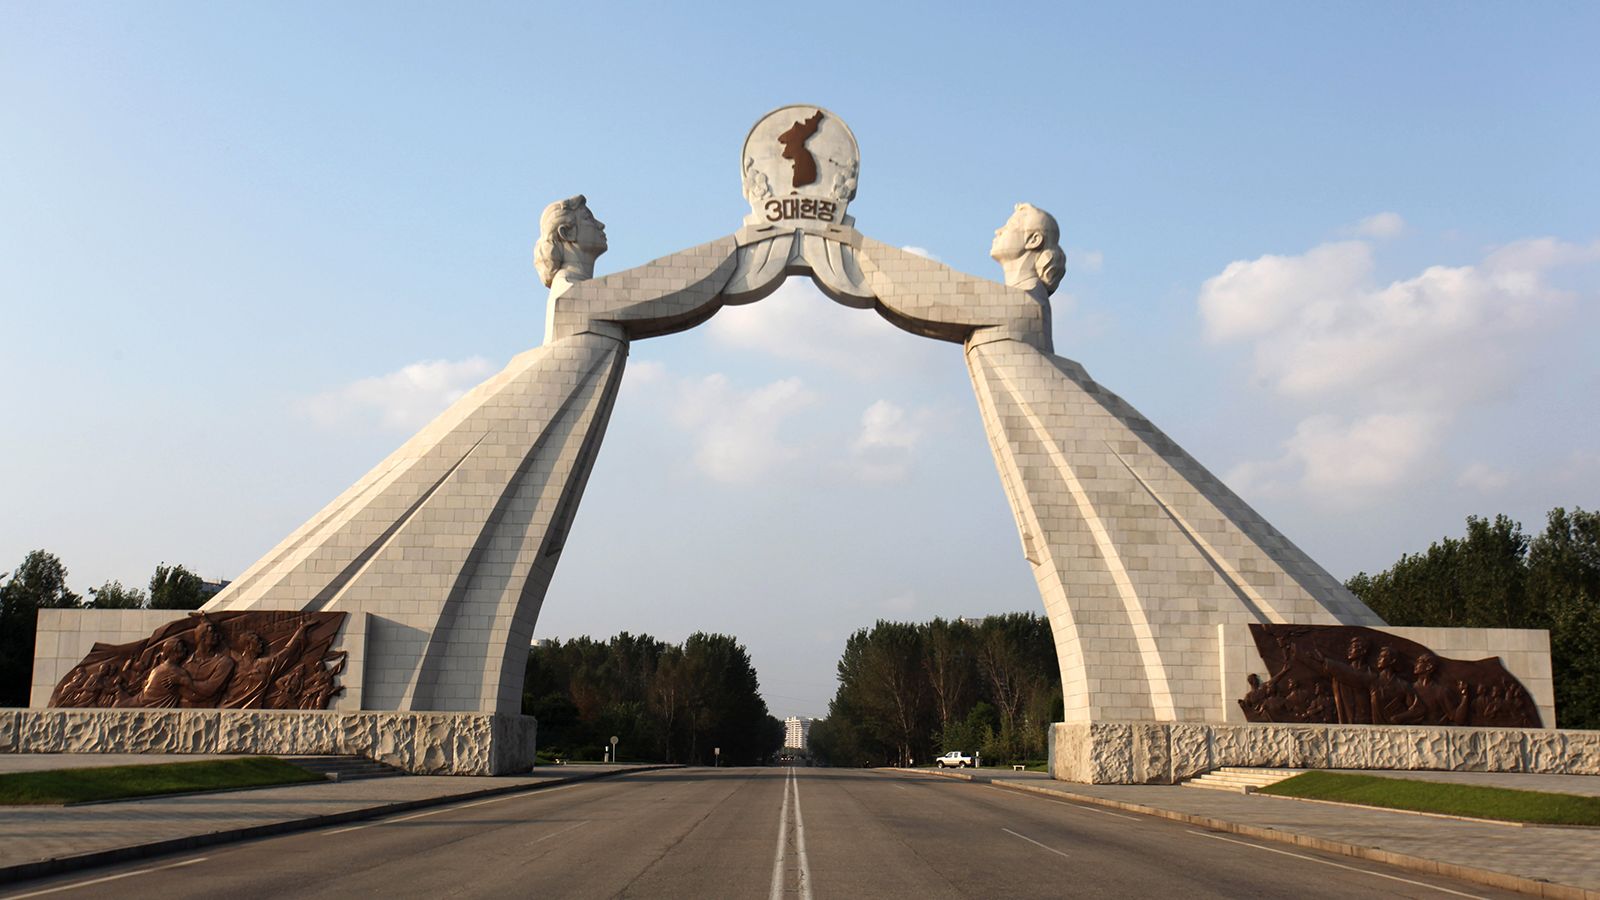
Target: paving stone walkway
50,762
1568,856
32,833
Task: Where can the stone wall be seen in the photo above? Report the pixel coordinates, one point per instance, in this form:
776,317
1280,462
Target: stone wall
1170,752
422,743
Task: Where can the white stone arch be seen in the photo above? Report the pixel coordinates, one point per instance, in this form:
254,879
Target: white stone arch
1140,554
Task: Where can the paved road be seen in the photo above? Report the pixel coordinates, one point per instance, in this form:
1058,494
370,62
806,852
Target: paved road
755,833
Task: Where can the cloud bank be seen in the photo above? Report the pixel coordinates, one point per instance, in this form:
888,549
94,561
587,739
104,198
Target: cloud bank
1379,371
403,400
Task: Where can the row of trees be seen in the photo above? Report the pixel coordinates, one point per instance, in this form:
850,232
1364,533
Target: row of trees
1497,576
41,583
912,691
664,702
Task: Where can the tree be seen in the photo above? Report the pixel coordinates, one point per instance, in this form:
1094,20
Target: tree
112,595
174,587
914,691
882,675
673,703
949,663
1564,576
1496,577
39,583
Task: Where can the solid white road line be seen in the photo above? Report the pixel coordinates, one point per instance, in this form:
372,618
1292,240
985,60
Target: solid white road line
800,842
526,795
81,884
776,892
791,787
1442,890
1036,843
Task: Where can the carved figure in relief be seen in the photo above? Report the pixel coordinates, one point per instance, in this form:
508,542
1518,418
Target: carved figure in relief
1388,695
230,659
167,685
1028,249
1433,702
1405,684
570,240
209,666
319,686
259,671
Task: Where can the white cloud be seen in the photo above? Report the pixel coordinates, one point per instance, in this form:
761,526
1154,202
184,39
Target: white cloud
405,399
884,424
1483,477
1086,260
1380,371
1380,225
883,448
923,252
1255,298
736,431
643,373
901,604
798,322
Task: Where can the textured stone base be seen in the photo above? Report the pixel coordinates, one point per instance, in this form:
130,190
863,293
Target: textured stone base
1169,752
422,743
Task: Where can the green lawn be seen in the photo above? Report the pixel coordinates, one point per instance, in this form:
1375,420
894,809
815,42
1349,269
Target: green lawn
122,782
1476,801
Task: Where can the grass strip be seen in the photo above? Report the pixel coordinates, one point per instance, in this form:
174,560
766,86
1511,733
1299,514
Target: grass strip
1476,801
123,782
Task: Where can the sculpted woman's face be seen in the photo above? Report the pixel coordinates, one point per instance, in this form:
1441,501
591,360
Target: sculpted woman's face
1011,239
589,233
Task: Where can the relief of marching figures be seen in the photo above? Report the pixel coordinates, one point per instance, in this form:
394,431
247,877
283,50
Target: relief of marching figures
1351,675
230,660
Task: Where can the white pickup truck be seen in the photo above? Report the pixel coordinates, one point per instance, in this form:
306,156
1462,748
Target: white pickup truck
955,759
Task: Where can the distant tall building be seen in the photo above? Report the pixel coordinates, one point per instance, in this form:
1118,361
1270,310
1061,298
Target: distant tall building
797,731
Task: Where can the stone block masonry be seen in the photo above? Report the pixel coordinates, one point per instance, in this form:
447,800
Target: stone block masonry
1170,752
422,743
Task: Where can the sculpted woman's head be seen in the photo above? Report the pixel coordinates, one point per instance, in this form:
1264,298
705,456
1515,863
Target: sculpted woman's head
570,238
1028,249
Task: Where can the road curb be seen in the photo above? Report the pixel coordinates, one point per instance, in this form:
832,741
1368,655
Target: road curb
1502,880
59,864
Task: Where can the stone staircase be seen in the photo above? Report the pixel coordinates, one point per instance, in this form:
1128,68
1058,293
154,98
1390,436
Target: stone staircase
1240,780
343,768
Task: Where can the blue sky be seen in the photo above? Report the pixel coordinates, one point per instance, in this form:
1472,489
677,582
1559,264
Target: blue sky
1346,254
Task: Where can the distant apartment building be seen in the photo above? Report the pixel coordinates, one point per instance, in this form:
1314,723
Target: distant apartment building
797,731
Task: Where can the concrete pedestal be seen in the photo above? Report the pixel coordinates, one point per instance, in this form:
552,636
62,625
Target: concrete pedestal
1170,752
422,743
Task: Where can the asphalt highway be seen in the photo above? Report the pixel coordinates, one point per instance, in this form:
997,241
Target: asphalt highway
775,833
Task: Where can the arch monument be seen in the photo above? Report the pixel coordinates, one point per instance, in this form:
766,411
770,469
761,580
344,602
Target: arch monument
1166,593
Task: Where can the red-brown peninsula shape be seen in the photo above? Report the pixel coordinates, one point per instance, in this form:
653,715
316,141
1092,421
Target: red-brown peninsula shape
1361,676
231,660
794,148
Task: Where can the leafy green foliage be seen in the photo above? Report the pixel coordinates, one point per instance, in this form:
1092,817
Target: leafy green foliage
112,595
121,782
664,702
1476,801
174,587
1498,577
39,583
914,691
